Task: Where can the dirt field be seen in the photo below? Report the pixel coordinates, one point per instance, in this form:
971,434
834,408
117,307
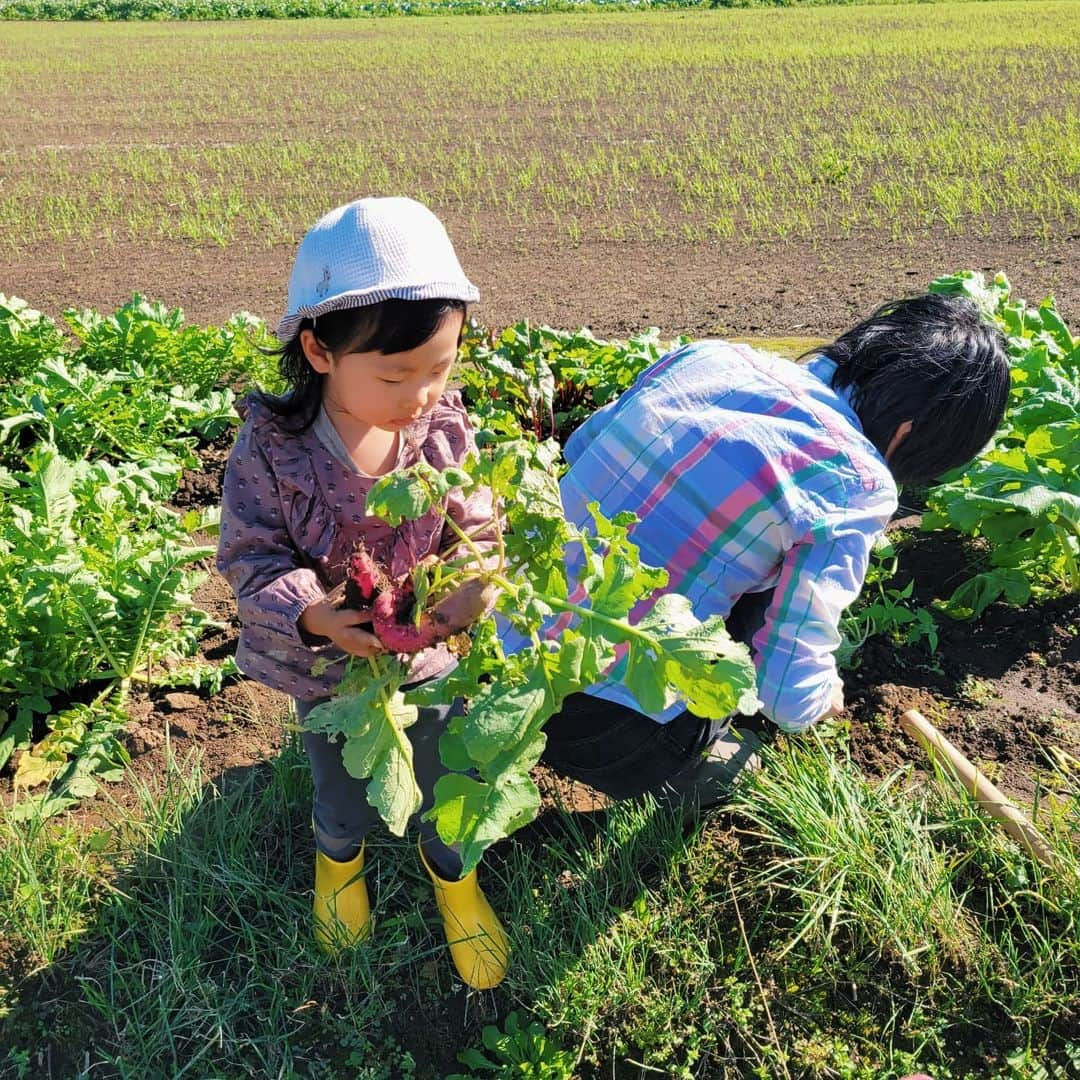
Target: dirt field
1004,688
755,172
793,288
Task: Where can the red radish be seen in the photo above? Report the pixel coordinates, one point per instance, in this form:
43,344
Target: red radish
364,578
392,605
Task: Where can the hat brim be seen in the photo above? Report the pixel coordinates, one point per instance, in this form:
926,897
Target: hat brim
434,290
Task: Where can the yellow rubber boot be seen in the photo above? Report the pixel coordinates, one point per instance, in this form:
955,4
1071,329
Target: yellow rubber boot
478,943
342,910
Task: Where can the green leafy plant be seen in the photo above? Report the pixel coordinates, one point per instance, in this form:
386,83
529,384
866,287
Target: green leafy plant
664,656
545,382
517,1050
26,338
171,352
140,382
81,749
96,584
96,572
1023,493
881,609
119,414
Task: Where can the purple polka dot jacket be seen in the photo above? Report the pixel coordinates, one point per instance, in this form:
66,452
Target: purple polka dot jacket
291,514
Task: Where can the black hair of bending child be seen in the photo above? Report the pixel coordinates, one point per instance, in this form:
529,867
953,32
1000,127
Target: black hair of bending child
391,326
932,360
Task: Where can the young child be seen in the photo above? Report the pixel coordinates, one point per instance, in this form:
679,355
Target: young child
375,313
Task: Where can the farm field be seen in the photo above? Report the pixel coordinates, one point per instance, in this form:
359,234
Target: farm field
769,175
740,171
160,927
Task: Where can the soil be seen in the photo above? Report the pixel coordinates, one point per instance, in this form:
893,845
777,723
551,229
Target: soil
1003,689
782,288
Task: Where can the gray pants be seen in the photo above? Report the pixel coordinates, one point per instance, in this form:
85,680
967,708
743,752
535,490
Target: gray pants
340,810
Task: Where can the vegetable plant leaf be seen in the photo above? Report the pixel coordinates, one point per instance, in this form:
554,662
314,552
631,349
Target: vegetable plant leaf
678,656
475,813
373,720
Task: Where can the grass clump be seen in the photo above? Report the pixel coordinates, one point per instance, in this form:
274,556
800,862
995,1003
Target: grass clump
196,957
858,862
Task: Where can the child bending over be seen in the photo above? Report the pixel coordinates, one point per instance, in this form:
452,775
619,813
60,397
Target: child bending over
761,486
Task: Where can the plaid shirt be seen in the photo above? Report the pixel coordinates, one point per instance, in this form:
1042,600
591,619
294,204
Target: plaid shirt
747,472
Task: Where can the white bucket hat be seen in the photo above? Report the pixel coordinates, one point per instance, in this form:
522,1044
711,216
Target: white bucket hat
372,250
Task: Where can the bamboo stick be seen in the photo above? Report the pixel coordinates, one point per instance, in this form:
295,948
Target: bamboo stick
1015,822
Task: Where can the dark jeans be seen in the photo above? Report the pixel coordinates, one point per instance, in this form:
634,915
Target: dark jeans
340,812
624,753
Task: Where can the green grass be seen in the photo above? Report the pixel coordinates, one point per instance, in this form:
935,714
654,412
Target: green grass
303,9
840,928
691,126
790,347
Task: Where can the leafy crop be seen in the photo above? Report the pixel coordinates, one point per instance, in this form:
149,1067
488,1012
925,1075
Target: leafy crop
97,421
156,340
26,337
1023,494
119,413
881,609
140,382
546,382
95,584
668,653
96,571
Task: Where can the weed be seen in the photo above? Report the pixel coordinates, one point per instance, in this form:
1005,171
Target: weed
976,691
520,1049
883,610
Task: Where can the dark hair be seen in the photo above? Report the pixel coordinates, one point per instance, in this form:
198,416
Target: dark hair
391,326
932,360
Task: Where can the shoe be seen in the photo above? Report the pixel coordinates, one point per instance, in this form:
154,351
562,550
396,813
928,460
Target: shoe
478,944
709,780
342,911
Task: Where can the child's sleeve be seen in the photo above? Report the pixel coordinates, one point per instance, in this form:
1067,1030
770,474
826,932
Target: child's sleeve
795,649
473,512
256,555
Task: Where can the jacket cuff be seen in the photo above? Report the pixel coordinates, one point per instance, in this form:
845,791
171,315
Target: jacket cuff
292,593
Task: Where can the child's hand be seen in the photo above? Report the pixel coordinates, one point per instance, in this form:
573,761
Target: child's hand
836,705
340,625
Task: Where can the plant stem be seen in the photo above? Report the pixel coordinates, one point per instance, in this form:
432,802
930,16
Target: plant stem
147,619
399,735
116,667
463,537
1070,559
586,613
468,540
537,645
